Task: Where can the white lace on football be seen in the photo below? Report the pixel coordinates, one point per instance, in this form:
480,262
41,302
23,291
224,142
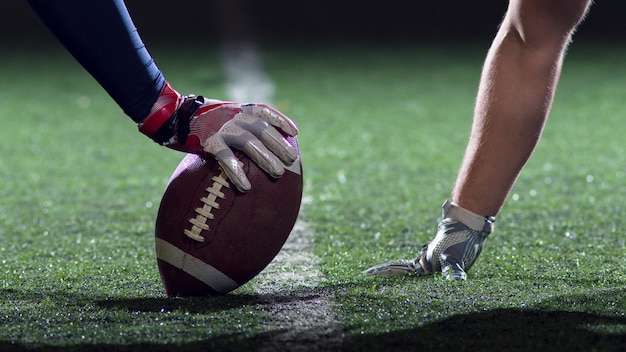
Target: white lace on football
199,223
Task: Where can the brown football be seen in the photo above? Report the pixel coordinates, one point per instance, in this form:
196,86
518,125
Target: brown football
211,238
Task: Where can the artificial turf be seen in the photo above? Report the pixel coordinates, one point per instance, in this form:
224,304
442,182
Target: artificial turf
383,128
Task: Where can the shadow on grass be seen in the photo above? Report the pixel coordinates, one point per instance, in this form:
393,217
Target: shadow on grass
532,329
585,322
504,330
206,305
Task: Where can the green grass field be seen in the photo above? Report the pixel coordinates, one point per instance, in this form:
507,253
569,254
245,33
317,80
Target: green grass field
382,133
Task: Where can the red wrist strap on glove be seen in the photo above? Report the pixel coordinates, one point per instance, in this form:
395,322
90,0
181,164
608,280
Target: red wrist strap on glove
165,106
169,121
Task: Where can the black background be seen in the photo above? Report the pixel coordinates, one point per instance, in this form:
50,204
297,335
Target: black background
323,20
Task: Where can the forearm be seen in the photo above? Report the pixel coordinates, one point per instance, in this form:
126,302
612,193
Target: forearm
101,36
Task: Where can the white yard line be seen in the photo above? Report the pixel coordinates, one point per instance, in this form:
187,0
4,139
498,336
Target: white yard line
301,310
246,81
303,314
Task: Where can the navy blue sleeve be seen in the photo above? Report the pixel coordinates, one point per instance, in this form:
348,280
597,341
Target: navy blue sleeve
101,36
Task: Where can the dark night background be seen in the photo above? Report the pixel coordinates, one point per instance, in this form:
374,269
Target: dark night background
324,20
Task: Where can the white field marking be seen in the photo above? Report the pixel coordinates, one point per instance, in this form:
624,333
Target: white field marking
301,311
246,81
195,267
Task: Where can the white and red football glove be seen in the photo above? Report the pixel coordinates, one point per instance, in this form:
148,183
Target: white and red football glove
194,124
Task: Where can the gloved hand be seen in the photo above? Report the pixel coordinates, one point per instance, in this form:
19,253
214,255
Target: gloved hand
194,124
459,241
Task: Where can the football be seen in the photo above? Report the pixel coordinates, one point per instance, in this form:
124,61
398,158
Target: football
211,238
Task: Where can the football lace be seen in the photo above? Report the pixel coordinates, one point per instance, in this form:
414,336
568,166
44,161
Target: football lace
199,223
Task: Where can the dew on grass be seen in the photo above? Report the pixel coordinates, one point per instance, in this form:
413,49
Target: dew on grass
341,176
84,102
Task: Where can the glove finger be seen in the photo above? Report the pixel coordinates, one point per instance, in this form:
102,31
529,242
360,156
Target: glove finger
262,156
275,142
271,116
393,268
234,135
269,136
452,269
234,171
229,163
